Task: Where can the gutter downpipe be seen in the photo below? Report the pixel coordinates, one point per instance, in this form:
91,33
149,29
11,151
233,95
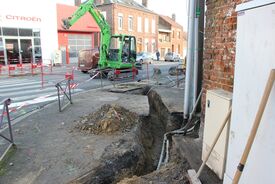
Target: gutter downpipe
196,57
189,62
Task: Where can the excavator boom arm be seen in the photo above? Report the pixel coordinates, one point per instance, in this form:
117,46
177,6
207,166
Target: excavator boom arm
88,6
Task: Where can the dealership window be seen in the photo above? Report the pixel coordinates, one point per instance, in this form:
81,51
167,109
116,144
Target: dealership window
25,40
139,24
153,26
25,32
146,25
36,43
10,31
130,23
120,21
78,42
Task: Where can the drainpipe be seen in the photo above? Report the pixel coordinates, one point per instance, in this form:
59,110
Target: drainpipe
196,55
189,63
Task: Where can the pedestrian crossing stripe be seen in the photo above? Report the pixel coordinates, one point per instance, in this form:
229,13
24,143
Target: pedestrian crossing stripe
28,92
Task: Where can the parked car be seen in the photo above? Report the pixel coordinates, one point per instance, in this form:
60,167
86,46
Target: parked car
172,56
88,59
144,57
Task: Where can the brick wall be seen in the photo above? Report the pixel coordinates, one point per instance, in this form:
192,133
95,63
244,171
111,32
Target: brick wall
112,11
135,13
108,9
219,46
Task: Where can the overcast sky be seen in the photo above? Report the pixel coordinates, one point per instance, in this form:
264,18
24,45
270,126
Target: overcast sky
164,7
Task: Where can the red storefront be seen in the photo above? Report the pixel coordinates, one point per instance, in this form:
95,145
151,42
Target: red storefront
84,34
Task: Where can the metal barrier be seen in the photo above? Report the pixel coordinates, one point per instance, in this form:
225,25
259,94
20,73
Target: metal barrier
19,69
64,88
6,112
179,71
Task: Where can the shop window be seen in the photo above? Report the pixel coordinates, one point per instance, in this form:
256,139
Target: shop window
36,33
36,41
25,32
37,50
10,31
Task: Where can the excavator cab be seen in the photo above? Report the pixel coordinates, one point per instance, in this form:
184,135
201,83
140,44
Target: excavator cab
122,51
117,52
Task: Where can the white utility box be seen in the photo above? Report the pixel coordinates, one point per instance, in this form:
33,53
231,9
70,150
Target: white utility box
58,57
218,103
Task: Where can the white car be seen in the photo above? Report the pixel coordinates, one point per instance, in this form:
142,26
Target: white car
144,57
172,56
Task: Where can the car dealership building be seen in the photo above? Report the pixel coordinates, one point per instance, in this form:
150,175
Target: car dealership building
30,31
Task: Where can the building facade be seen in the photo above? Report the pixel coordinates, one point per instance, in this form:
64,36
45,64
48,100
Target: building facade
84,34
27,34
129,17
171,37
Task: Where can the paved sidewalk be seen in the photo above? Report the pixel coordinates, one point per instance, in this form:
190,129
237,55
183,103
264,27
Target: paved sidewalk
48,151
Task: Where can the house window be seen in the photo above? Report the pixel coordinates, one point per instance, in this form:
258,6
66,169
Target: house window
139,24
104,14
146,45
179,35
173,34
146,25
130,23
153,26
153,45
120,21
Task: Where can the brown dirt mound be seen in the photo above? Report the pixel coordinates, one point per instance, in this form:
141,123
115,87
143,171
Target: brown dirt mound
173,173
108,119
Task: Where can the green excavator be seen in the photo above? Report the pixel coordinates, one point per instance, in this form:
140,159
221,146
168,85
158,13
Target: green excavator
117,52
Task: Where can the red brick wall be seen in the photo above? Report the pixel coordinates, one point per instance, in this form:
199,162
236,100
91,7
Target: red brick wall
139,35
219,46
109,14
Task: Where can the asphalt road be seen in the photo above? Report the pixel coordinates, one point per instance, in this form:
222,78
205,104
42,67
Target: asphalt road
29,93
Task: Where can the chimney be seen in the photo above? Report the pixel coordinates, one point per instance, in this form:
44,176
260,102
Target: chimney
145,3
77,2
174,17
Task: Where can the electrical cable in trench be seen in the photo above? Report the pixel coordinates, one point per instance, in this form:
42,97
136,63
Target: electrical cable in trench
164,156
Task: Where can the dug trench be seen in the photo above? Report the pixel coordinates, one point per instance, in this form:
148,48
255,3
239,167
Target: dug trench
134,157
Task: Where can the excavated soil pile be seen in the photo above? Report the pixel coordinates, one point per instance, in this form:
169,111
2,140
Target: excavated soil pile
173,173
109,119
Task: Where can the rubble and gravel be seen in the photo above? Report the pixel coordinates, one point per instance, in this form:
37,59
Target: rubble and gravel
109,119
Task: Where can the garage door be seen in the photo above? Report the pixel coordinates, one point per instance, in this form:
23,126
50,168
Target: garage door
78,42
